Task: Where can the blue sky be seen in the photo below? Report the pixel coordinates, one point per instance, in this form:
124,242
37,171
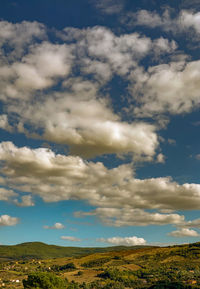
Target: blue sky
99,122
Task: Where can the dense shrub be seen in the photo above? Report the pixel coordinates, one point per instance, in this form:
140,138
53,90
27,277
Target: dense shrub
169,285
95,263
68,266
127,278
41,280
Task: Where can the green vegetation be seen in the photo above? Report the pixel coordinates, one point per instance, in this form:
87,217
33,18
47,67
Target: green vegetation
44,281
95,263
67,267
40,250
142,268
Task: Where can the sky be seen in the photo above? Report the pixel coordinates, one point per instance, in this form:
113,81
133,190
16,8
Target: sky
99,122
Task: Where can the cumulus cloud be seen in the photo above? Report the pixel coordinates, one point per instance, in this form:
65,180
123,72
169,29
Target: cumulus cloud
184,233
133,217
44,63
123,241
167,88
81,116
86,124
6,220
70,238
58,177
37,70
121,53
19,35
57,226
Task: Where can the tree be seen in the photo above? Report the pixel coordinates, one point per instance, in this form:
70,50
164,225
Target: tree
43,280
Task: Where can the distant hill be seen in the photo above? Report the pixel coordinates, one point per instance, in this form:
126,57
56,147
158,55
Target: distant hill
40,250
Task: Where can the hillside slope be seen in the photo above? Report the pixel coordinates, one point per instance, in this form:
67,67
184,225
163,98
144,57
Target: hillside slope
40,250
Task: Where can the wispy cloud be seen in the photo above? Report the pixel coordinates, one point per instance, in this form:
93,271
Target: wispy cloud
56,226
109,6
181,23
26,201
197,156
70,238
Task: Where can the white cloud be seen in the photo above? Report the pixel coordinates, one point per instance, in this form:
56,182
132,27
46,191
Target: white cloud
184,233
37,70
80,116
70,238
133,217
120,198
124,241
57,226
6,220
5,194
184,21
87,124
4,123
26,201
191,224
122,53
168,88
145,18
160,158
19,35
189,19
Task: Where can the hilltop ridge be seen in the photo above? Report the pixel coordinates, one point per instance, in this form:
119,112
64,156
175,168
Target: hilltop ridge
40,250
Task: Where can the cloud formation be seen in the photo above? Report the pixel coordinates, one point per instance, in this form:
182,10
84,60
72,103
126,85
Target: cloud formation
70,238
184,21
123,241
17,36
6,195
134,217
118,195
6,220
56,226
26,201
167,88
88,125
80,115
58,92
109,6
184,233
